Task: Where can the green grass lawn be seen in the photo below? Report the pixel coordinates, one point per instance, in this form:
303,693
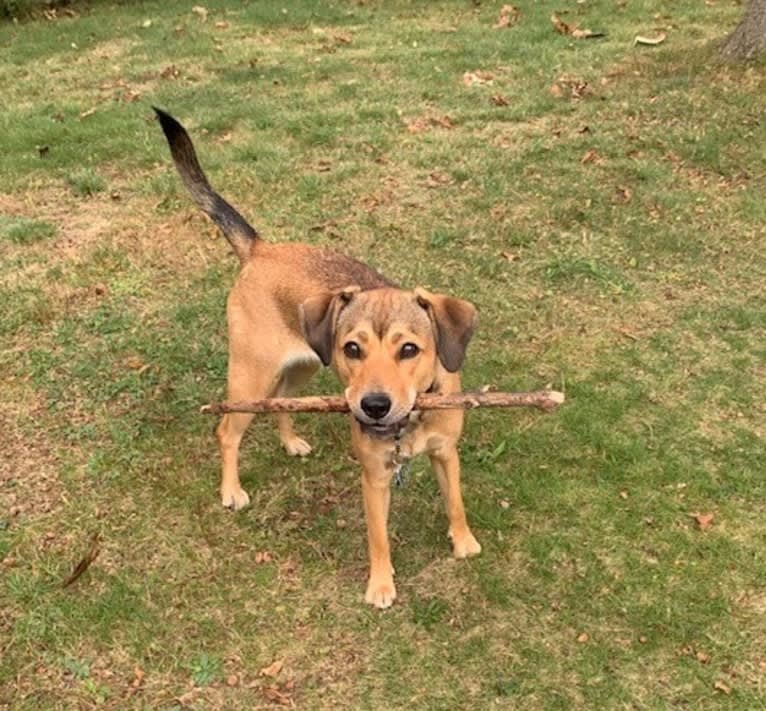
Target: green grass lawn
604,206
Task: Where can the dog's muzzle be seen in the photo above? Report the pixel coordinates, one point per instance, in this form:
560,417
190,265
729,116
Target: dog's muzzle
375,409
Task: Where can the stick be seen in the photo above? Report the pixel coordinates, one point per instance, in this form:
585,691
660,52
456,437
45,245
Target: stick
547,400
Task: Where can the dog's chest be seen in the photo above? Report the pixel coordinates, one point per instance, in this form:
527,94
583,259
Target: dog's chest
419,437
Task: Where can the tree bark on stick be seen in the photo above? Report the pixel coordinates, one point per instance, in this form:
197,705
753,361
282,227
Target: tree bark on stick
546,400
749,38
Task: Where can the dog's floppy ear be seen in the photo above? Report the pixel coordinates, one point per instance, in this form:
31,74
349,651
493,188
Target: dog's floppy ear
318,315
454,322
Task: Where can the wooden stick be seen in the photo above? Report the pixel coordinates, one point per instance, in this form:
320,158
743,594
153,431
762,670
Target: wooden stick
547,400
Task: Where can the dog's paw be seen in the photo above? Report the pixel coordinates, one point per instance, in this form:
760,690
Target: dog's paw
297,447
380,593
464,545
234,499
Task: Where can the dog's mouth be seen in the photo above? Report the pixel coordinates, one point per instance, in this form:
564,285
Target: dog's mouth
378,430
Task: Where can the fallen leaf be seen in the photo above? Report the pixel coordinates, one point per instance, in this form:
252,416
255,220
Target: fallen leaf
509,256
232,680
262,557
622,194
508,17
573,31
623,494
720,686
437,179
651,41
273,669
499,100
273,694
702,658
586,34
138,677
443,121
84,564
418,125
342,38
703,520
170,72
201,12
134,362
583,637
592,156
559,25
477,78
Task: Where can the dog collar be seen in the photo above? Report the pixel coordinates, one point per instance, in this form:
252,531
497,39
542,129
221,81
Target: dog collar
401,462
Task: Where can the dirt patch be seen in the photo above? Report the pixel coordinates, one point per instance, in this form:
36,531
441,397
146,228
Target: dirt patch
29,480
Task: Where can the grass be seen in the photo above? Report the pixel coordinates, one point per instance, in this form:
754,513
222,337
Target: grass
606,216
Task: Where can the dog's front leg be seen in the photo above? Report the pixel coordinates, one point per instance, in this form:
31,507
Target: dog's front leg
446,466
376,490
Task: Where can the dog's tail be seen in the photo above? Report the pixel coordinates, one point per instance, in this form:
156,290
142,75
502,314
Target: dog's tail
235,228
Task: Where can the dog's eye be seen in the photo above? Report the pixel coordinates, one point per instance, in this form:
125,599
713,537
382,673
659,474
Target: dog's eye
408,350
352,350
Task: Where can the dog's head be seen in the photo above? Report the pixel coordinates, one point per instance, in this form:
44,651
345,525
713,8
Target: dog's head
387,345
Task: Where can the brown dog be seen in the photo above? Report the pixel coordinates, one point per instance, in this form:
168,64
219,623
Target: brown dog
295,307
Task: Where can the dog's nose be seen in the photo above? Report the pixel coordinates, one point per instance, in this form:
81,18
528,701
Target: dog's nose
376,405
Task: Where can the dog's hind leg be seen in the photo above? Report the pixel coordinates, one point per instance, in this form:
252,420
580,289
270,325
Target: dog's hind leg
295,374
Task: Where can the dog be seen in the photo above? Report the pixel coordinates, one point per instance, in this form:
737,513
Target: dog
295,307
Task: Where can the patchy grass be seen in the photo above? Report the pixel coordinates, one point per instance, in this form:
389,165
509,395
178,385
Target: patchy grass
603,206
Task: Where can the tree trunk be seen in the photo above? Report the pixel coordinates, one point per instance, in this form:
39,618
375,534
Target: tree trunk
749,38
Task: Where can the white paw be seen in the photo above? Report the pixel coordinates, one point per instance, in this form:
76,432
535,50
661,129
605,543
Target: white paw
297,447
464,545
381,594
234,499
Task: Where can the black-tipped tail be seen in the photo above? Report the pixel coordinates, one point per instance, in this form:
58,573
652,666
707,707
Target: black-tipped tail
235,227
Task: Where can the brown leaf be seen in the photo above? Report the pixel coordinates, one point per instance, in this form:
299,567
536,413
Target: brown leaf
477,78
622,194
262,557
651,41
84,564
720,686
572,30
703,520
273,669
273,694
499,100
232,680
437,179
583,637
702,658
170,72
134,362
559,25
592,156
443,121
138,677
201,12
585,34
508,17
509,256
